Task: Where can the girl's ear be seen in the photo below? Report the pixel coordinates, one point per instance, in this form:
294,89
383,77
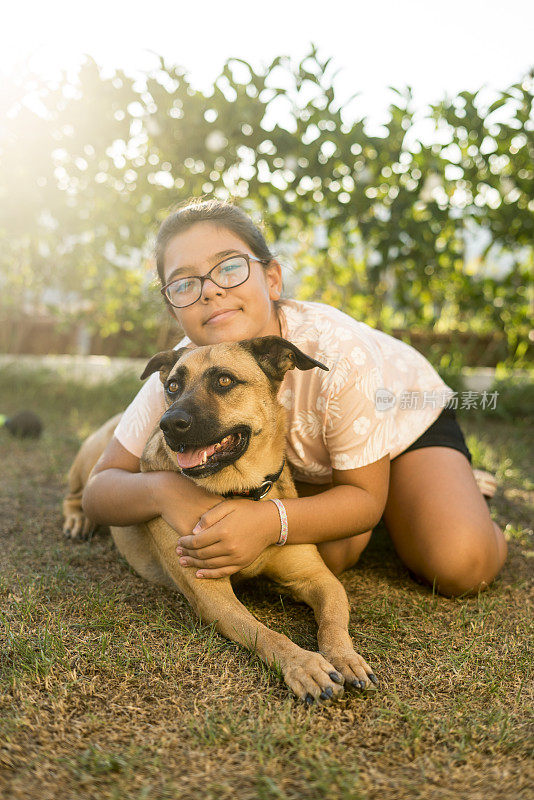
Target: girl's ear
273,275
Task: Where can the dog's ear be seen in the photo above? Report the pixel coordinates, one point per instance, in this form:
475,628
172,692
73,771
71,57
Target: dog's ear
163,362
276,355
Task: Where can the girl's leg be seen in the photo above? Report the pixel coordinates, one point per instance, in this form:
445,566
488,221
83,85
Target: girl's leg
439,521
343,553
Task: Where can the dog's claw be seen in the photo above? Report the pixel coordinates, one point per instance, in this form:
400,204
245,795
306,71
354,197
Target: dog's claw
326,694
373,679
309,700
336,677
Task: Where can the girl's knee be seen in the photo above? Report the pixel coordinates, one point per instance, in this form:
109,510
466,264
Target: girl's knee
457,585
468,567
343,553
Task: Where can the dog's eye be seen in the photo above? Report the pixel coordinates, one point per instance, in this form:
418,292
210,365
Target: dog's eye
173,386
224,380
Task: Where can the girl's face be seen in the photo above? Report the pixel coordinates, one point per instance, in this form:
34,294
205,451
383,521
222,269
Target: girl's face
248,309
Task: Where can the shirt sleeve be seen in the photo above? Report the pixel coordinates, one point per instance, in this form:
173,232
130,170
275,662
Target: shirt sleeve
141,416
144,412
356,432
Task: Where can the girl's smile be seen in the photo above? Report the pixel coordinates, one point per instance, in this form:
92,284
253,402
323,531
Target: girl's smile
221,316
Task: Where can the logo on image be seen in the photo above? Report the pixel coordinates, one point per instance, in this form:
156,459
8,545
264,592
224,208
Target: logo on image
384,399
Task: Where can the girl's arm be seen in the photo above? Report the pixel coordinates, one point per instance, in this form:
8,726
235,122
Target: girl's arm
117,493
353,505
229,534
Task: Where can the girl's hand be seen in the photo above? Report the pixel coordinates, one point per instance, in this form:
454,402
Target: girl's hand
229,537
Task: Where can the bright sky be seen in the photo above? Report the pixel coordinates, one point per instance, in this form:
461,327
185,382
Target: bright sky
436,47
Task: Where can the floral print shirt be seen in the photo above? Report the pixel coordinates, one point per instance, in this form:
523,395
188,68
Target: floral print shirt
378,397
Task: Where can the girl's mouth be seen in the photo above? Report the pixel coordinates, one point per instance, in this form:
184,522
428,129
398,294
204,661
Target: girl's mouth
218,318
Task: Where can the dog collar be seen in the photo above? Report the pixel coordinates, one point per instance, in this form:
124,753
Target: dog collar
260,491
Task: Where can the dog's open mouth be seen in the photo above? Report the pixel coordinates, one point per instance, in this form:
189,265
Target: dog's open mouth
206,459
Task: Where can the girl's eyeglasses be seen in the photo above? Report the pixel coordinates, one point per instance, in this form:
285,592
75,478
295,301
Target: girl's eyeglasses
227,274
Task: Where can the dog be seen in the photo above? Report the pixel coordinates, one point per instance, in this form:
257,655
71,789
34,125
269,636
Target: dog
225,429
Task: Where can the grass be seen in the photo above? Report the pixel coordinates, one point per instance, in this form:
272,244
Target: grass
111,688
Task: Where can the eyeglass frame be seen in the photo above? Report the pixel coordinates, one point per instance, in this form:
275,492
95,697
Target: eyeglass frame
248,258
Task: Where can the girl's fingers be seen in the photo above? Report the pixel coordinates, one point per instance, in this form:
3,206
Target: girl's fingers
212,551
213,515
197,540
223,572
212,563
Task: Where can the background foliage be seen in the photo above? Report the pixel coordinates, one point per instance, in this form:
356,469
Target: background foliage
373,224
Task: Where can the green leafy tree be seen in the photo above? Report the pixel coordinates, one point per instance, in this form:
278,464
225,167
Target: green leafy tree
376,224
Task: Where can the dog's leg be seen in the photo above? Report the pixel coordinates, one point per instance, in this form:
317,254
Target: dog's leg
76,525
302,571
135,544
308,674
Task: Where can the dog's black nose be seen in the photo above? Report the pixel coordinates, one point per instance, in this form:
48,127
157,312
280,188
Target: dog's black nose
175,420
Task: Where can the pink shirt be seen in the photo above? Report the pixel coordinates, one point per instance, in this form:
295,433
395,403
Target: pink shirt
378,396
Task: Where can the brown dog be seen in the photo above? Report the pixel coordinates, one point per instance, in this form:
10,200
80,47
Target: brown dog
225,429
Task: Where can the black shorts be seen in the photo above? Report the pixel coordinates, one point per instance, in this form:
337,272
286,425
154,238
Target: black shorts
444,432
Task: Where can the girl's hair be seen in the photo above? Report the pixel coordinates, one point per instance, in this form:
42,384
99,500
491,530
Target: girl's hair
218,212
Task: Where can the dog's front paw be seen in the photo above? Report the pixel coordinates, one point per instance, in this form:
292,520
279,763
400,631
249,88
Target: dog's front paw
77,526
312,678
356,672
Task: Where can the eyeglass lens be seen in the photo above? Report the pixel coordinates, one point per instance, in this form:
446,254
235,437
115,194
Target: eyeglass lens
227,274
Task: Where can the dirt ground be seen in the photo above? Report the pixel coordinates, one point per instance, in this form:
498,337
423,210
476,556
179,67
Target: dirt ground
110,688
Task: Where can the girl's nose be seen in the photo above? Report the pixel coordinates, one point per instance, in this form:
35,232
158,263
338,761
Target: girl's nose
210,289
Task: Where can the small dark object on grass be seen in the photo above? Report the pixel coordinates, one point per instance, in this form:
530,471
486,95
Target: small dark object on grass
23,425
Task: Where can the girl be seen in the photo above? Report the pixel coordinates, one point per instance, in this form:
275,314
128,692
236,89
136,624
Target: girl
370,438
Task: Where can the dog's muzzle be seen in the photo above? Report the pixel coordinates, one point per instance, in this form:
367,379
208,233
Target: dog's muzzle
200,448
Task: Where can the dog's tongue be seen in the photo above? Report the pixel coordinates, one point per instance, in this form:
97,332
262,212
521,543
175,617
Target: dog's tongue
192,457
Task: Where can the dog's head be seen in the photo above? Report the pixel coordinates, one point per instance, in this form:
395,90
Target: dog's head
222,416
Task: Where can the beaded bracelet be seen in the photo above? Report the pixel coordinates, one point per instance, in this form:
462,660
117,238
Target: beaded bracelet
283,520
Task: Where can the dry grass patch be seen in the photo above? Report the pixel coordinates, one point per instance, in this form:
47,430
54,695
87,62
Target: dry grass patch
110,688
